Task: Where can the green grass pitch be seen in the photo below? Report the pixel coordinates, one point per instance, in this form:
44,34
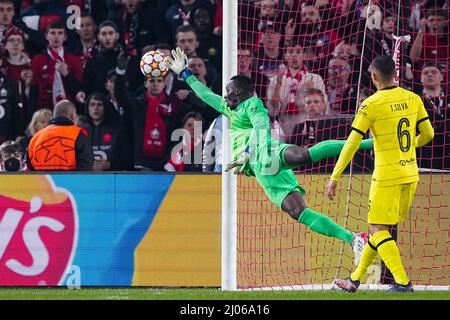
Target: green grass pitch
204,294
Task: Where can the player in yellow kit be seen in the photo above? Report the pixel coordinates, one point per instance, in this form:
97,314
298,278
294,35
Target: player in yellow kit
392,114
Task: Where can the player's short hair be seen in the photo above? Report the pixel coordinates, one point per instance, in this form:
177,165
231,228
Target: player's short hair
243,82
385,66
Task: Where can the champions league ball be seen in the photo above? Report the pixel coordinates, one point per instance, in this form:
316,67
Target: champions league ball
153,64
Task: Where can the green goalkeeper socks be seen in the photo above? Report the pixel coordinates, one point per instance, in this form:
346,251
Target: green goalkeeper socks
324,225
331,148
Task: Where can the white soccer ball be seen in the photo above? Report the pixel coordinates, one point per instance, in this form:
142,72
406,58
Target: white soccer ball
153,64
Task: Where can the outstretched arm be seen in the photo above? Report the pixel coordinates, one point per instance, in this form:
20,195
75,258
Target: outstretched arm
209,97
178,64
348,151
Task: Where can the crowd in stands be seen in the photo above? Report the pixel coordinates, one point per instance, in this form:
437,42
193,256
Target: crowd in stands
319,52
306,59
46,58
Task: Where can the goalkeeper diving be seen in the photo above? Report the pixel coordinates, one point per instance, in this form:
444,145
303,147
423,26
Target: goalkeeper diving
271,162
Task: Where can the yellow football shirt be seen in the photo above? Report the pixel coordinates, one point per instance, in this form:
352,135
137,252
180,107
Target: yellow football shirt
392,115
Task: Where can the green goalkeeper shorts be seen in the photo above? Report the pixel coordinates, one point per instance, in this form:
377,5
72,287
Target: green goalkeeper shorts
280,184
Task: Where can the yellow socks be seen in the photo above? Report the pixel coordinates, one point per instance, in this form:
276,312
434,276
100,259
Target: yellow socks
388,251
368,257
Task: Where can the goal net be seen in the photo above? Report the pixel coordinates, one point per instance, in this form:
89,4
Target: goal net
309,61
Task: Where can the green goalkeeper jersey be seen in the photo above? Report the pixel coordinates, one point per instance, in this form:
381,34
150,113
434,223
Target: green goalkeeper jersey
249,124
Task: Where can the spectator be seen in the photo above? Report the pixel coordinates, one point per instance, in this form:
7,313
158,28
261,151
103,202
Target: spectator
179,13
57,73
382,43
198,67
349,53
210,45
246,67
109,142
341,93
187,100
139,25
263,12
311,32
18,68
212,148
431,42
86,44
61,145
12,120
187,155
287,89
38,122
435,99
419,6
304,133
153,113
187,40
40,14
119,112
269,54
105,59
35,41
11,158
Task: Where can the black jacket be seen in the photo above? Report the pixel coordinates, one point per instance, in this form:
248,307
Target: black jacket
110,142
94,76
12,117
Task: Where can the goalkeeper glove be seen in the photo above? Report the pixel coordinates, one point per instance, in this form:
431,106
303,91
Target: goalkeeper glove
178,63
239,164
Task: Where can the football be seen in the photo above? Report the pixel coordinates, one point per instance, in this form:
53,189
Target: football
153,64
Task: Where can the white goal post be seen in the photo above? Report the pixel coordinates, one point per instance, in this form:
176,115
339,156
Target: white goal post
229,180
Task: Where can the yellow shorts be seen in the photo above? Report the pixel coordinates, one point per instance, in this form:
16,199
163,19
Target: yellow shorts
390,205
